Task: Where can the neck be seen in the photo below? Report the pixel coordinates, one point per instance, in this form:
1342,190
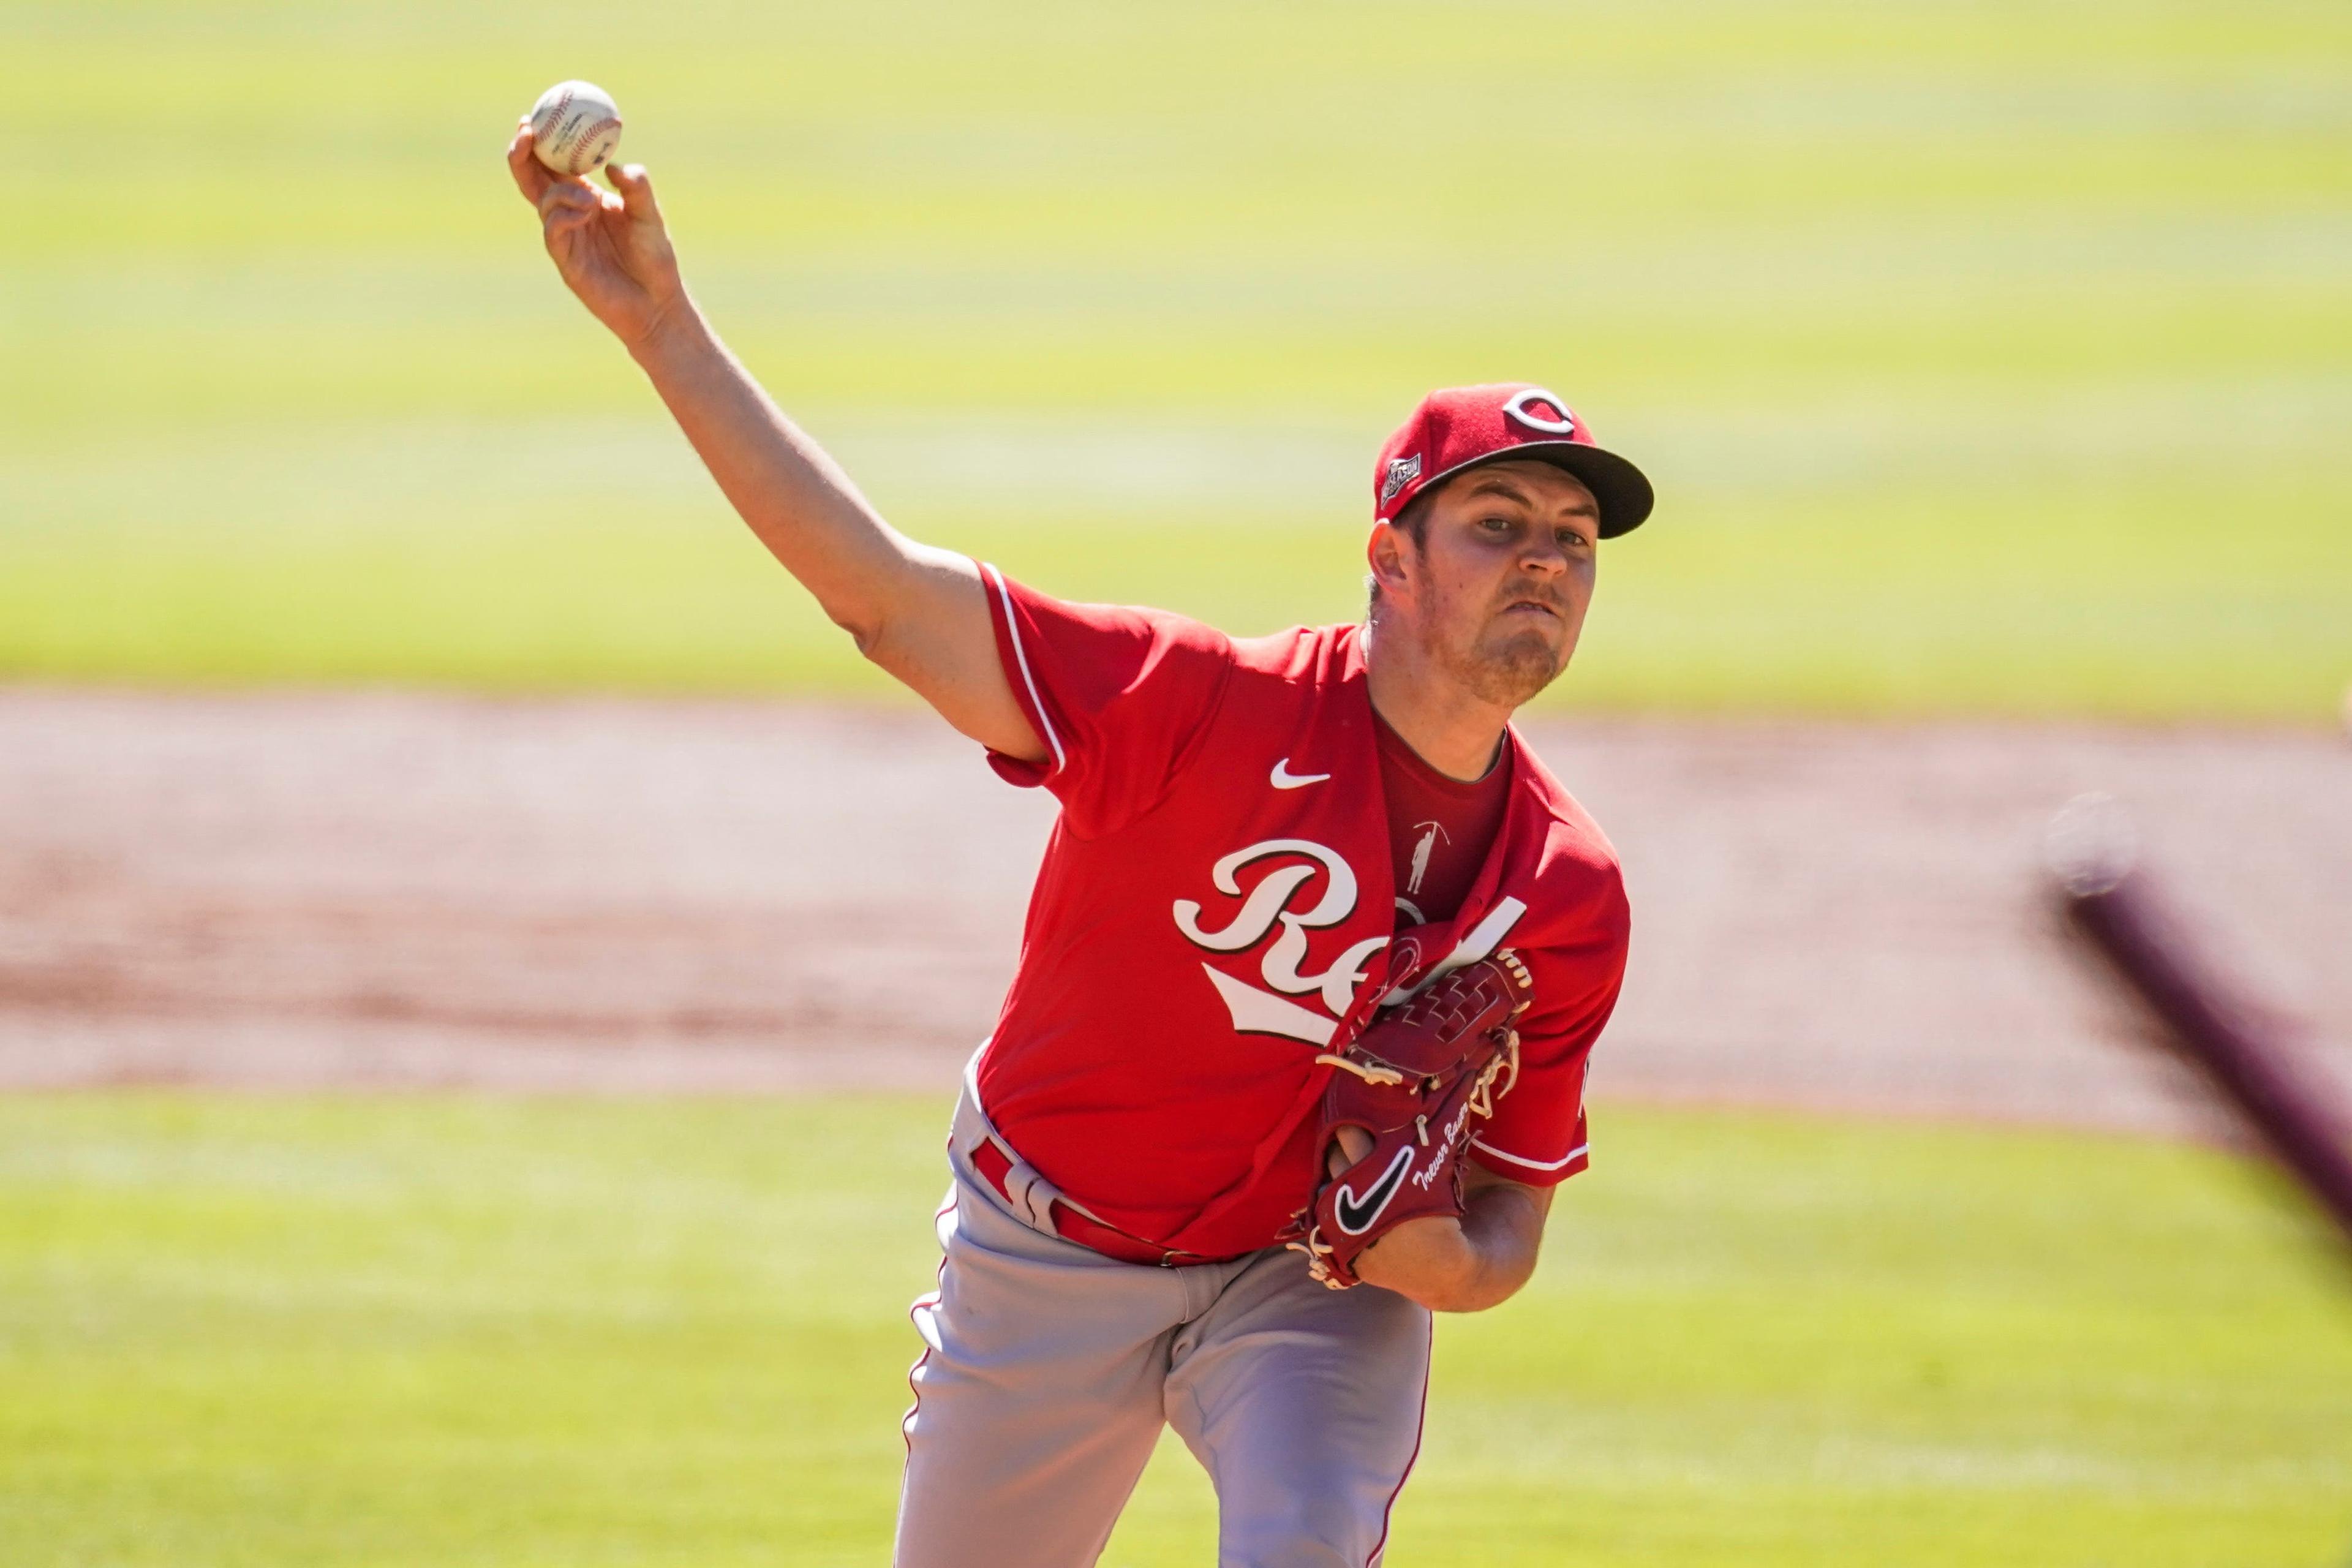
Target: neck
1450,728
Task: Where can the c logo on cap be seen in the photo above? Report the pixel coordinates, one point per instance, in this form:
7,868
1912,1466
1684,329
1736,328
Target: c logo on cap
1519,409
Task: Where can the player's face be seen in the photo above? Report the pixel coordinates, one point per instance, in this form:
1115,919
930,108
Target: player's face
1504,575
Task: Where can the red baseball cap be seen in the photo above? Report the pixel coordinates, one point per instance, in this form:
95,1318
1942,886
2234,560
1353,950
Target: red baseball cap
1463,426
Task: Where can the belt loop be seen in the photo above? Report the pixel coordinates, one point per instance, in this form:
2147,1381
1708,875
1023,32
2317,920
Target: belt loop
1030,1195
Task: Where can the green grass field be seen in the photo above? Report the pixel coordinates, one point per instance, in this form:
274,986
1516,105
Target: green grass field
1990,357
453,1330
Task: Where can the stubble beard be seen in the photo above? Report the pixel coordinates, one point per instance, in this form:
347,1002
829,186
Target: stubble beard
1506,668
1508,675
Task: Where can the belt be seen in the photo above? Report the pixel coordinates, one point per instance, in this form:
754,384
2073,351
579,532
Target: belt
990,1159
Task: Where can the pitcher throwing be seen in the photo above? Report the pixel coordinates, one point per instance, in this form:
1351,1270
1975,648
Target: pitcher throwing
1294,1053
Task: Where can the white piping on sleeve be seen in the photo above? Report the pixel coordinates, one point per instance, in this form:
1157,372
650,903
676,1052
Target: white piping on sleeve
1565,1160
1021,655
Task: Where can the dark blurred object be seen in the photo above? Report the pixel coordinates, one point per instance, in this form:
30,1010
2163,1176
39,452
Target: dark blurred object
2111,905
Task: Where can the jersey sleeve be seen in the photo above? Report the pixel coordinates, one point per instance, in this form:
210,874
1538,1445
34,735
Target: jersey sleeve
1120,696
1537,1134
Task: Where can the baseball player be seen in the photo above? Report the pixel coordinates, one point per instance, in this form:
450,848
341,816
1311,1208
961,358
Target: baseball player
1294,1053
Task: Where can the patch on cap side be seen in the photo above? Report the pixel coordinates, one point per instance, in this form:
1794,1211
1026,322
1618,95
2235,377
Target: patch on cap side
1401,472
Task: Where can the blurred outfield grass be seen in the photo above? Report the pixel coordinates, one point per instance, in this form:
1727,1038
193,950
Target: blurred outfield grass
476,1332
1990,357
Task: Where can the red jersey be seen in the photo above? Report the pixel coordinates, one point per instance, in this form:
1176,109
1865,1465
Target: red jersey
1440,827
1216,906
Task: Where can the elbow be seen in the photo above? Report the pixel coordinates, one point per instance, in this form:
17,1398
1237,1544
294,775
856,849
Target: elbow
1458,1278
1447,1266
867,626
890,608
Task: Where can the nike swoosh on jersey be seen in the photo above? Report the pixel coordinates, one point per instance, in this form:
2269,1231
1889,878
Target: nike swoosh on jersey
1356,1214
1283,778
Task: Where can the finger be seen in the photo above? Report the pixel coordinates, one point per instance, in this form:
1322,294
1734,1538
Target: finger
569,196
636,188
530,176
1349,1144
577,191
563,220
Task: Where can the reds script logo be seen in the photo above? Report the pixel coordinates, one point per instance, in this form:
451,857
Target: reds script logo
1292,866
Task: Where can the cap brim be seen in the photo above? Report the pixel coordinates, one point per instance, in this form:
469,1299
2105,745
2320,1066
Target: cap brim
1621,489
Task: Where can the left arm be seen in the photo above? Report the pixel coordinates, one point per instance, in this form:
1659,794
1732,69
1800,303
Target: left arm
1470,1264
1482,1253
1465,1265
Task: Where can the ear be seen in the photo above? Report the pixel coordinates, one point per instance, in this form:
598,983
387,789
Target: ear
1385,553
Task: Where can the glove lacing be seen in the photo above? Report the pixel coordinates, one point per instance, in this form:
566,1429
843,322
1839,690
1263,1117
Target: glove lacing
1482,1102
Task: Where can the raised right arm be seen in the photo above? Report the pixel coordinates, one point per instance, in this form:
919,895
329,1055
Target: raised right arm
918,612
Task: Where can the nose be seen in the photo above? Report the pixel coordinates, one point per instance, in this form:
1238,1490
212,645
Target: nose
1545,558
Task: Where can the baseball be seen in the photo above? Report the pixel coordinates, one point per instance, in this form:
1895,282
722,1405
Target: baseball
574,127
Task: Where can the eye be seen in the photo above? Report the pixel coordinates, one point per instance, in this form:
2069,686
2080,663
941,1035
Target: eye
1496,524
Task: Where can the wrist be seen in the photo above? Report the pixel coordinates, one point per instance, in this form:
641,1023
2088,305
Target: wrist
675,330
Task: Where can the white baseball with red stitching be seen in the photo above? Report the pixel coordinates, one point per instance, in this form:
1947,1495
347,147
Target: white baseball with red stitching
574,127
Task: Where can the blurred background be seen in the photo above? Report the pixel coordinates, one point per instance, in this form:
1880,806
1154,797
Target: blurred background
394,719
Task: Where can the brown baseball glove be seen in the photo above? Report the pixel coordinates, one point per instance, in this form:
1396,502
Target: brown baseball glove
1416,1081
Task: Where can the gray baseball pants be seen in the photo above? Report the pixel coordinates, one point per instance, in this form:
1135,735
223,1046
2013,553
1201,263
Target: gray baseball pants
1049,1369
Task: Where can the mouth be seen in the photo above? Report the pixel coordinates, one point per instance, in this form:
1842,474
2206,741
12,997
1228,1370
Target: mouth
1531,607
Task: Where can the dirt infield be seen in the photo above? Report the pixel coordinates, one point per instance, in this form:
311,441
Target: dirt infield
608,895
